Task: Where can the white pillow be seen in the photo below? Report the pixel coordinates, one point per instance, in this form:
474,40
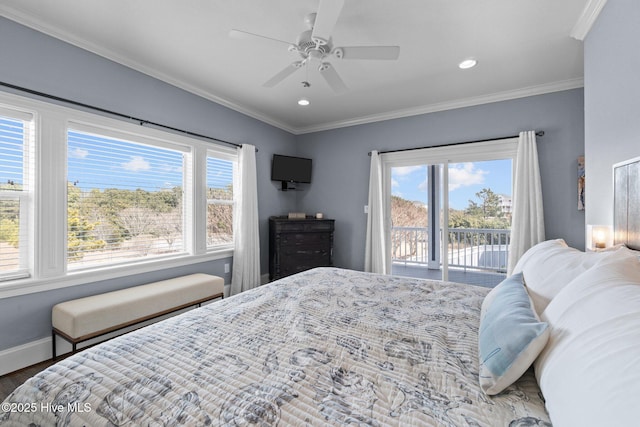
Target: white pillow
536,251
589,372
549,266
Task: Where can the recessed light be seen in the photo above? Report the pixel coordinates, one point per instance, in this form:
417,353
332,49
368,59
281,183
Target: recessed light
303,102
468,63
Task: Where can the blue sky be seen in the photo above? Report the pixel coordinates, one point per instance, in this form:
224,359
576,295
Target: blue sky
101,162
11,157
465,180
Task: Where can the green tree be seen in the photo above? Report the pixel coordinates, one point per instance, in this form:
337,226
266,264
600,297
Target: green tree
9,231
219,216
111,216
473,209
79,235
489,204
462,219
164,201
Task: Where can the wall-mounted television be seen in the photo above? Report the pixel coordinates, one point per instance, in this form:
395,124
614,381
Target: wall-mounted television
290,169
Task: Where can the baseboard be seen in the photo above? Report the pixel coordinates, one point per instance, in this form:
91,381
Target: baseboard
22,356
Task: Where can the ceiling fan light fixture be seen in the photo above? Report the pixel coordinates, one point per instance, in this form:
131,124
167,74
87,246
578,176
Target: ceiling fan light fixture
315,47
468,63
303,102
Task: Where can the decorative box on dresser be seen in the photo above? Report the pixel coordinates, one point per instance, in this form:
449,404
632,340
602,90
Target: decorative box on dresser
297,245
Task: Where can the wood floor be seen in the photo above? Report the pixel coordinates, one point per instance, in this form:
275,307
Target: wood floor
9,382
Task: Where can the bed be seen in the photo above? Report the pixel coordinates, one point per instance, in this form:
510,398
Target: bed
324,347
557,341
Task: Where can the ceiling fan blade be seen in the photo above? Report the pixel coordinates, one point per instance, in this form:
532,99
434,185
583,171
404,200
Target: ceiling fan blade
332,77
367,52
326,19
290,69
245,35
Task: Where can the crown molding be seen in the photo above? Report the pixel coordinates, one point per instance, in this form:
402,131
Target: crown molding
592,10
65,36
450,105
587,19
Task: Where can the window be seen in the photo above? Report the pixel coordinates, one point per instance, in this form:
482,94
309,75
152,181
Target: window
124,200
85,198
15,197
220,206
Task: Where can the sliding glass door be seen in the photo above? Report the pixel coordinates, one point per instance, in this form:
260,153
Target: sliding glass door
415,214
449,212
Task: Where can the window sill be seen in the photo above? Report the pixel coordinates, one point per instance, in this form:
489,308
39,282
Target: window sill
19,287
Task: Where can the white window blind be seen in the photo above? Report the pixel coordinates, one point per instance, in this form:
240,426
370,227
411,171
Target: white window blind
220,187
15,194
124,200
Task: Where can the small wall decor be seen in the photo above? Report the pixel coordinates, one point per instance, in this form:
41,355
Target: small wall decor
581,183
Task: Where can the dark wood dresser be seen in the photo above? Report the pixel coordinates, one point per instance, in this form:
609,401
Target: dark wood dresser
297,245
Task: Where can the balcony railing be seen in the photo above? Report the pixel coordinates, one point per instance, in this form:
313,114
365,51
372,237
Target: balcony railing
468,248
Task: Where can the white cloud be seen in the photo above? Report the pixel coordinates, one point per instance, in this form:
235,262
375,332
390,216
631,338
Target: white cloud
401,173
407,170
79,153
137,164
169,168
464,175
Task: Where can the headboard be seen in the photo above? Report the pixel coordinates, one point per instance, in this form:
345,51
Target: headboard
626,210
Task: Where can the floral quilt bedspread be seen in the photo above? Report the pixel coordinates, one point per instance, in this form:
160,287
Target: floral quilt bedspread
324,347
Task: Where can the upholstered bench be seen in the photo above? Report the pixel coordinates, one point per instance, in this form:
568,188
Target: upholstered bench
85,318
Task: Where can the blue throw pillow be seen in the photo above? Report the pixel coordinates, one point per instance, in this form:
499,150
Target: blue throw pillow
511,335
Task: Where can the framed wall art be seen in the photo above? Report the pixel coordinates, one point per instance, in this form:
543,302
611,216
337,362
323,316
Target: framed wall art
581,183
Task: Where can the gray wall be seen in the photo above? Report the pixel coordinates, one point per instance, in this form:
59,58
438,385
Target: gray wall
39,62
612,102
341,165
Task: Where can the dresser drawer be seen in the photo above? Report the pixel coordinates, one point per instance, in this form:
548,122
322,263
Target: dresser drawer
301,251
303,262
302,239
300,225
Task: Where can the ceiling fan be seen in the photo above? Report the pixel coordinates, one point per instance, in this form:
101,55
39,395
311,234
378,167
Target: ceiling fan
316,46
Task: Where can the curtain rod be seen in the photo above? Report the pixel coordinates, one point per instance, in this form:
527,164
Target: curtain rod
142,122
540,133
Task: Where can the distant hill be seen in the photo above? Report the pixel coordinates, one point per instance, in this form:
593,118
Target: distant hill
407,213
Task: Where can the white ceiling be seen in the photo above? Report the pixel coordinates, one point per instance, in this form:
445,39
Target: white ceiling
523,48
